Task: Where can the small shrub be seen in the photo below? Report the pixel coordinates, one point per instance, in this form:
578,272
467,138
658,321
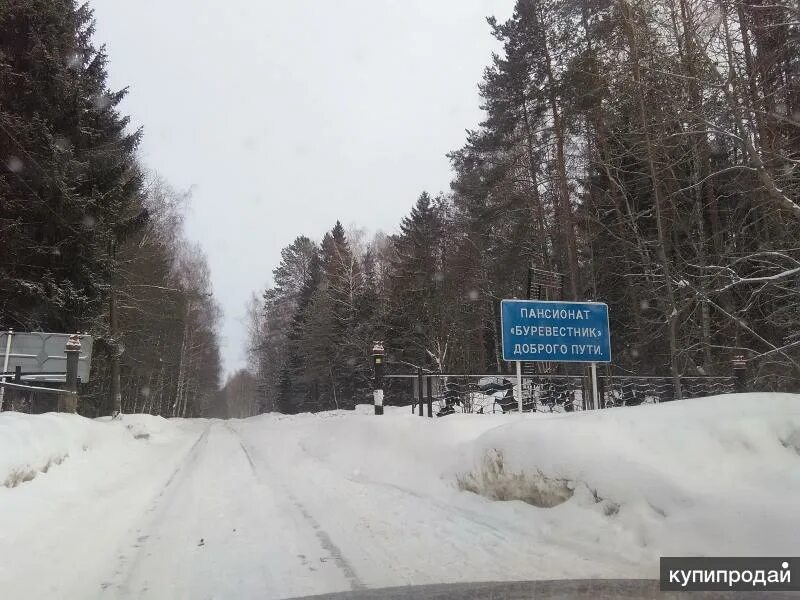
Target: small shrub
24,474
792,441
494,482
18,476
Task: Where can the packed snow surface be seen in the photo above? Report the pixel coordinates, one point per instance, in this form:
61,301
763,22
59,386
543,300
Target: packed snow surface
278,506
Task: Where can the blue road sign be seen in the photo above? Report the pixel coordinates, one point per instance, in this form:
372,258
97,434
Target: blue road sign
537,330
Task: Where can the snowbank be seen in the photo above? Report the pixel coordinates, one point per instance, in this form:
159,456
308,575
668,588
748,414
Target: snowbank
33,444
710,476
71,489
396,448
717,475
535,496
390,500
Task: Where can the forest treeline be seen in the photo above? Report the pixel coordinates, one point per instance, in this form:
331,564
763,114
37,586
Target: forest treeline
90,241
648,150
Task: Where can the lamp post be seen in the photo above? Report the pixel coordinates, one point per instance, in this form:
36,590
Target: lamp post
378,356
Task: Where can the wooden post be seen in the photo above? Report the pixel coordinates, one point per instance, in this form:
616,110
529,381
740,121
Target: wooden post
739,365
429,395
421,390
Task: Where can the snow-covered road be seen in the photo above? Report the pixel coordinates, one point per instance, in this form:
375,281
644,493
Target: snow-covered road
276,507
235,519
223,527
239,509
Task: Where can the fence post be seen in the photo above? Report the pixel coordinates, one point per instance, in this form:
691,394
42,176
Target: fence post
608,384
429,395
586,387
17,380
601,391
9,333
739,365
421,390
378,354
73,351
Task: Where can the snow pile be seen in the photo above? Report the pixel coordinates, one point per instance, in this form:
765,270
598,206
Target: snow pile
717,475
30,445
71,489
148,427
294,505
397,448
33,444
706,476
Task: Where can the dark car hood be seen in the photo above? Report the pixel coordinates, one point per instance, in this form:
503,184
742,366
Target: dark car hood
558,589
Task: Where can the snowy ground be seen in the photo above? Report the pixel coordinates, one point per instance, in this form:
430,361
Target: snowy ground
277,506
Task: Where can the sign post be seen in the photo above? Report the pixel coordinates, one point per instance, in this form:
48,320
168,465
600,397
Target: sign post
547,331
595,391
5,366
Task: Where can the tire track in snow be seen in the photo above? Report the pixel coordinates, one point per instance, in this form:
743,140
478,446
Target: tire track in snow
191,457
129,567
322,536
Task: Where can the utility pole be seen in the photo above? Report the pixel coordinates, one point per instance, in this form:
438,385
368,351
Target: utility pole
113,333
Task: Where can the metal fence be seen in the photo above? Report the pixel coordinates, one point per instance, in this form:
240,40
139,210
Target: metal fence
32,386
443,394
33,399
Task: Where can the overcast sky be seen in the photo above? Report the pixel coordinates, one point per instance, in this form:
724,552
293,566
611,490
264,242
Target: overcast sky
283,117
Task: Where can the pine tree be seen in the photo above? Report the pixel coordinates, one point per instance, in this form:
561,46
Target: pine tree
297,392
419,321
70,179
279,309
83,245
330,324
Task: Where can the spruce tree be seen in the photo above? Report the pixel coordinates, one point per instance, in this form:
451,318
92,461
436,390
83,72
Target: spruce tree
70,184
